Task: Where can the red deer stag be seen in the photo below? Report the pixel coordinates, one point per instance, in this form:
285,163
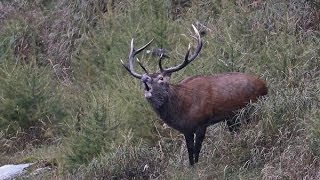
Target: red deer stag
196,102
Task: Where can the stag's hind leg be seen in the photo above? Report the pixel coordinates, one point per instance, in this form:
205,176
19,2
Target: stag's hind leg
200,134
190,146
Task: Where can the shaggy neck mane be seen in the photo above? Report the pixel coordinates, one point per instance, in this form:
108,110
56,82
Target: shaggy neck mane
168,110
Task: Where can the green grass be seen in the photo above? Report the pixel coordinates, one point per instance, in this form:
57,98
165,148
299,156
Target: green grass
94,119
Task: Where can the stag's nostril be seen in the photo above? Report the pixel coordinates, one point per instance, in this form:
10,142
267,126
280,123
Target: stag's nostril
145,78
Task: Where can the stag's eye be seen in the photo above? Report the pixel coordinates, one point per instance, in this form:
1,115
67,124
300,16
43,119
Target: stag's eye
161,78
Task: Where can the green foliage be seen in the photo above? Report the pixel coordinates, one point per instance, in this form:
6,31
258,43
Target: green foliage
101,120
30,102
93,131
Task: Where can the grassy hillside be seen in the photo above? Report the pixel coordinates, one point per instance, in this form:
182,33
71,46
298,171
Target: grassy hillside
67,103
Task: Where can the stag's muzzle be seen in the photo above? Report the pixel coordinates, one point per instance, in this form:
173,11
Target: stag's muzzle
145,78
146,81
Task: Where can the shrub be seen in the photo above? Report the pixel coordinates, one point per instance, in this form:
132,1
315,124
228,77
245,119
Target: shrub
31,107
127,161
90,137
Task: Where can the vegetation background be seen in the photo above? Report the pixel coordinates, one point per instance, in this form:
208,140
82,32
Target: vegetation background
67,104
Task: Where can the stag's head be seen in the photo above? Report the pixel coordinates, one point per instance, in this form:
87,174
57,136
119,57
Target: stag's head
156,85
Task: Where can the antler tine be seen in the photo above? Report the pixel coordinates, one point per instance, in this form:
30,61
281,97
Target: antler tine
125,66
199,46
141,65
160,62
130,68
187,59
133,53
133,73
143,47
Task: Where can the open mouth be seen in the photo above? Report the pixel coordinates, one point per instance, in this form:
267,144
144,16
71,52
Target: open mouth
146,87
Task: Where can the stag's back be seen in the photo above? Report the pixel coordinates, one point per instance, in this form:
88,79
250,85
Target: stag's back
204,97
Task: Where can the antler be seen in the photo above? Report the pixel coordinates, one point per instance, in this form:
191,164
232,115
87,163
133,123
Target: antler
187,59
133,53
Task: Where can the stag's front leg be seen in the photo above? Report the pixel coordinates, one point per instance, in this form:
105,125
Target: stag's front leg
190,146
200,134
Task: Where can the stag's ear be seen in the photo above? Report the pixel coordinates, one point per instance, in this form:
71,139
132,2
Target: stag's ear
167,78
